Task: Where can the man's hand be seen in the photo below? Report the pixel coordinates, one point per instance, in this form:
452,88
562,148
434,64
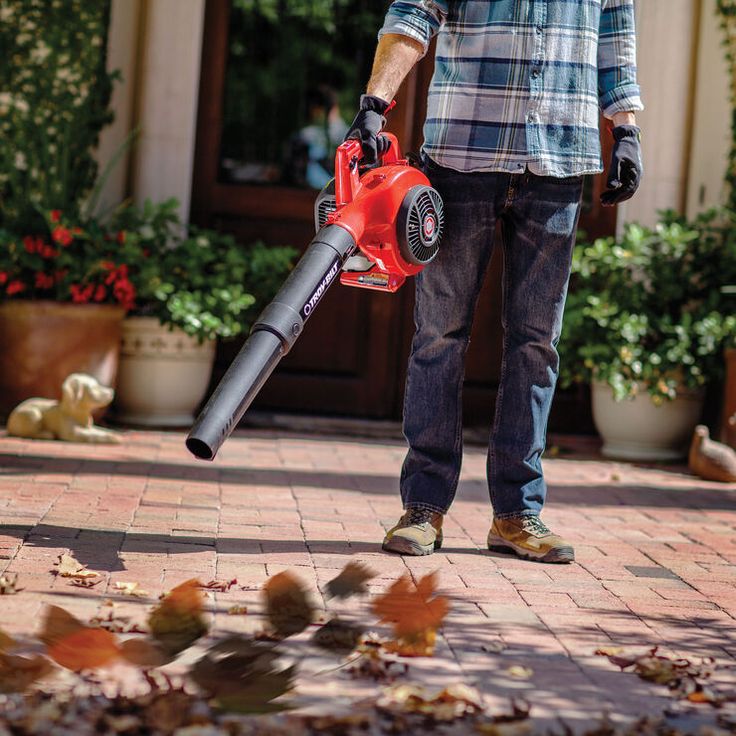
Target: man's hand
625,171
368,124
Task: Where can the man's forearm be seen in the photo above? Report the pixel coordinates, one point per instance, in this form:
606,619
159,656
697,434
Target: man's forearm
395,58
624,118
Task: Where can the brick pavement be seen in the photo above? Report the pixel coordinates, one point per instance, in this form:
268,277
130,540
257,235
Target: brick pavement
656,554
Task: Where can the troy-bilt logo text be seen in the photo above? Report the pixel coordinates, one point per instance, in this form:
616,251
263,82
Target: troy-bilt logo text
314,299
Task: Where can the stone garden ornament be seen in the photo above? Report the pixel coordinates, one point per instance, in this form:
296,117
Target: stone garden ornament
69,419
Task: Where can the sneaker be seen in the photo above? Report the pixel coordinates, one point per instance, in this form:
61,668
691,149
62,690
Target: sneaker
418,532
529,537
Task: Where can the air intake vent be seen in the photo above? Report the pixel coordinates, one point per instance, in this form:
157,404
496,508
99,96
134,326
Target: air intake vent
420,225
324,204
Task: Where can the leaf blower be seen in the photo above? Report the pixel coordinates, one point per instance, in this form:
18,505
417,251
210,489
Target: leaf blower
374,227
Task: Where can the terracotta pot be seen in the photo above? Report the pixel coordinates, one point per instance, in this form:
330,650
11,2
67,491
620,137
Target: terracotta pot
728,421
42,342
164,374
639,429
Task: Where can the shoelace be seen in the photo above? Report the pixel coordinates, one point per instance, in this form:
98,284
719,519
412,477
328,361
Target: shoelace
535,524
416,516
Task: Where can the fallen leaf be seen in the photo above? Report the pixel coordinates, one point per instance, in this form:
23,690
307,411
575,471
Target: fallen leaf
9,584
6,642
143,653
519,673
287,607
494,647
237,610
221,586
338,636
68,567
168,711
86,648
84,582
414,611
116,624
420,644
243,675
57,625
450,704
131,589
178,620
373,663
18,673
351,581
609,651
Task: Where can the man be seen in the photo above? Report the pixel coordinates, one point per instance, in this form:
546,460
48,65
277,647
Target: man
511,128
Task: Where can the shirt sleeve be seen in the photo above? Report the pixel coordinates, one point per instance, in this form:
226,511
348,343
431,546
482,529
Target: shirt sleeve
417,19
617,87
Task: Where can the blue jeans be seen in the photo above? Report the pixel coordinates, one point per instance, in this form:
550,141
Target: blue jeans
539,218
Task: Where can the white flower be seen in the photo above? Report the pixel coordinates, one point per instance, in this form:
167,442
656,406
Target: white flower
63,73
6,100
6,13
20,161
40,53
21,105
22,38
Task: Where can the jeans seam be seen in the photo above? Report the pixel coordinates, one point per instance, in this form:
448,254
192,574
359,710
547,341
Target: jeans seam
499,395
515,514
425,506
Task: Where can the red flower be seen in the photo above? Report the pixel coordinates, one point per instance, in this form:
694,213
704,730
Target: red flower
100,293
124,292
48,251
61,235
15,287
3,277
76,231
55,215
44,281
81,294
121,237
59,275
29,244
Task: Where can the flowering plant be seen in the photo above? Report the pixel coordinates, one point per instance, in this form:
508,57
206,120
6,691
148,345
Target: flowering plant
648,311
68,262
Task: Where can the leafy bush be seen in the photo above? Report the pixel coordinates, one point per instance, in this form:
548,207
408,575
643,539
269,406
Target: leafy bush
54,100
199,280
650,310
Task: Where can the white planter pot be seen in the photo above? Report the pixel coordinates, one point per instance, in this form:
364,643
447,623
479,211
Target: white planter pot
638,429
163,374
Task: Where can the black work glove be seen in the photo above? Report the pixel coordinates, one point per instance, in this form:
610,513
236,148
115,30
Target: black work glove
367,125
625,172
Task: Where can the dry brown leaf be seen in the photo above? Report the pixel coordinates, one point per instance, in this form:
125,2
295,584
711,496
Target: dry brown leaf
18,673
143,653
494,647
86,648
287,606
84,582
338,636
116,624
518,672
243,675
221,586
6,641
57,625
415,613
372,662
450,704
9,584
178,620
351,581
611,651
237,610
131,589
68,567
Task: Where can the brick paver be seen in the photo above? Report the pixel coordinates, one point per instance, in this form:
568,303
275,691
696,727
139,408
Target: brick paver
656,554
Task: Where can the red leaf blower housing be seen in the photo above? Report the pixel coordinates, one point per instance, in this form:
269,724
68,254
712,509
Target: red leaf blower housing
375,228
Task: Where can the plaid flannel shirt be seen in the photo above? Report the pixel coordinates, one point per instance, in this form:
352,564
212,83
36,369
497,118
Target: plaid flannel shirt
519,83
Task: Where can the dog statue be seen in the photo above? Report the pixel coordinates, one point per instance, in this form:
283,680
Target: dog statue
69,419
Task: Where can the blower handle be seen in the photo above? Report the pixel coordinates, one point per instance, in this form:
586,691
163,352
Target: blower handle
347,159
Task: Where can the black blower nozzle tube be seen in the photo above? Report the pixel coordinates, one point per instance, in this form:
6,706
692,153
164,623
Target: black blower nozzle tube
272,336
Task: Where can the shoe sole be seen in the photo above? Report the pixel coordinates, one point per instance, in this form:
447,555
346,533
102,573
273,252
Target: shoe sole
560,555
403,546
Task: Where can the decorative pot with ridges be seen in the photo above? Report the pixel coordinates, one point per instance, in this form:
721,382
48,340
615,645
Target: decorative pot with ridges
163,374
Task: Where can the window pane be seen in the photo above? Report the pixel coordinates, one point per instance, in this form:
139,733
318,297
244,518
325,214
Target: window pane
295,71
